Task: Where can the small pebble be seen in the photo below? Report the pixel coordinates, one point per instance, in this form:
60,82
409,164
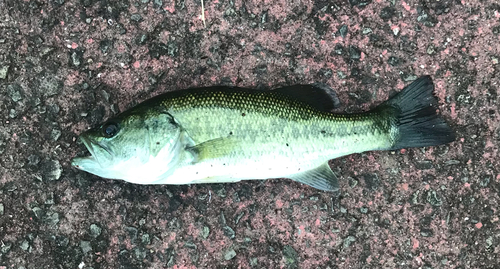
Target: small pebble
229,254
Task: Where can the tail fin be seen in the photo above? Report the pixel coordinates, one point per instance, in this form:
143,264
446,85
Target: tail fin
417,122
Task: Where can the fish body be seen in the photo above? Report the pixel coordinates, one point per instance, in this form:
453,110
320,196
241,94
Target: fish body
228,134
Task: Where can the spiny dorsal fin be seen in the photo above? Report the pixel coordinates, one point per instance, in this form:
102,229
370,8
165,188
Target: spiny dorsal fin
318,95
321,177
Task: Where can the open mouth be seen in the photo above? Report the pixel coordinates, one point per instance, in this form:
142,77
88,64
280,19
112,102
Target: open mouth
88,145
97,151
84,157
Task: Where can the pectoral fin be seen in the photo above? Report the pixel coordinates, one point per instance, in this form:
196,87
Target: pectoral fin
212,149
321,177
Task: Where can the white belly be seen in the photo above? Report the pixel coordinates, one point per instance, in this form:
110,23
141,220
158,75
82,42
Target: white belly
217,171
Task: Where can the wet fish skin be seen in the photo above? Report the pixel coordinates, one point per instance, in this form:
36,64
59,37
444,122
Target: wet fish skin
228,134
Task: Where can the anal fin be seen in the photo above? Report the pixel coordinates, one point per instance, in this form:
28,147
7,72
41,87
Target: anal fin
321,178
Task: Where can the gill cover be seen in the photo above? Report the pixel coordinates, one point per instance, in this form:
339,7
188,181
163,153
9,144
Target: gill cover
145,147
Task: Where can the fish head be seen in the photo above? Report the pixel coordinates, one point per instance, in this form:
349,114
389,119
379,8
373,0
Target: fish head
139,147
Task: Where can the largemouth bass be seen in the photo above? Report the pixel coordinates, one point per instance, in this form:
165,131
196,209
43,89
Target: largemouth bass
228,134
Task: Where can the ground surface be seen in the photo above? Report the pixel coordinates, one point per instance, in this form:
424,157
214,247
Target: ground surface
66,65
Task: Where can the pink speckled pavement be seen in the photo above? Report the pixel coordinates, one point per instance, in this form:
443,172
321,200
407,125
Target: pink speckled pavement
66,65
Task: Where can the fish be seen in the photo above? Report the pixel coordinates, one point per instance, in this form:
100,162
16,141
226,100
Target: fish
224,134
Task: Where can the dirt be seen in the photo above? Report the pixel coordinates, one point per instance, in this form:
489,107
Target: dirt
66,65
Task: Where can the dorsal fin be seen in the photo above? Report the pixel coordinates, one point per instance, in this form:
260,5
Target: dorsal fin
318,95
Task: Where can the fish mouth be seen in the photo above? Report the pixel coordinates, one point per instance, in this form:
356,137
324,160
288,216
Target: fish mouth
88,145
92,147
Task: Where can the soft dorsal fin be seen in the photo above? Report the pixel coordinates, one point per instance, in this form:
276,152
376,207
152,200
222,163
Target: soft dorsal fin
318,95
321,177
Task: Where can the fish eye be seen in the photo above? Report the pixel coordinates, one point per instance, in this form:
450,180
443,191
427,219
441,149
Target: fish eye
110,129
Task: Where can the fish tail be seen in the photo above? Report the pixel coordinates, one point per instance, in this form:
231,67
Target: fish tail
416,121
